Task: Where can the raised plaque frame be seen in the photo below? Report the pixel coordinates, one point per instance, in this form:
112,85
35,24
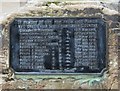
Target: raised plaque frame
63,73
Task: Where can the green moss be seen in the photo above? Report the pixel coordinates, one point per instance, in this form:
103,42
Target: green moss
76,76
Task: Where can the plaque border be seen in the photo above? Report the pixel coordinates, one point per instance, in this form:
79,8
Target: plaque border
57,17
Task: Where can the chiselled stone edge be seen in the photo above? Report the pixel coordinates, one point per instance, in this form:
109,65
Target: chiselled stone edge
49,12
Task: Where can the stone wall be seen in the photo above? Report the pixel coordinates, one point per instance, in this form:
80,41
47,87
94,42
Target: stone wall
108,80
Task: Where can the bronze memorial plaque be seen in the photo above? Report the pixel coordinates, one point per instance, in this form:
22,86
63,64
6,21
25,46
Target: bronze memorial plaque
64,45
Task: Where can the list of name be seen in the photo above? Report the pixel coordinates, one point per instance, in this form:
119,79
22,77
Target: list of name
57,44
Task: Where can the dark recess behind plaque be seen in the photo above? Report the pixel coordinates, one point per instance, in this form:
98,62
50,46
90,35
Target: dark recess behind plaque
58,45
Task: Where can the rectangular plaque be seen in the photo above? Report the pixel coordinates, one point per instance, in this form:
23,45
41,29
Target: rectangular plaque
58,45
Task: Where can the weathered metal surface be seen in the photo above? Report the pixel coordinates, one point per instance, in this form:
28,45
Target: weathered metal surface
58,45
